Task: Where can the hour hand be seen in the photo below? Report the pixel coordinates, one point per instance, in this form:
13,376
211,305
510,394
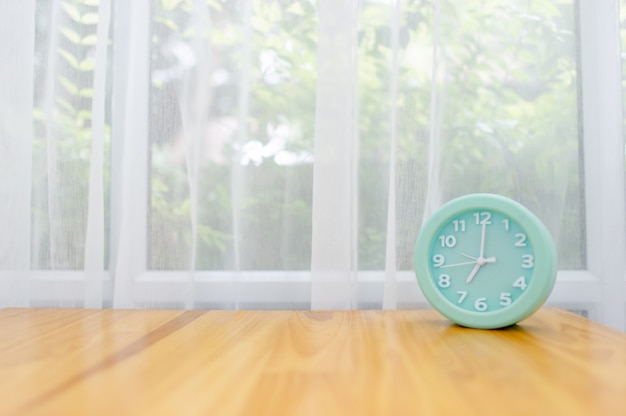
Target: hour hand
473,273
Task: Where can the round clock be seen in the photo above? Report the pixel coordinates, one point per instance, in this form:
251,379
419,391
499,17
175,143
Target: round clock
485,261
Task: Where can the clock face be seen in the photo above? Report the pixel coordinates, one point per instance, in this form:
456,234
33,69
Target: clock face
485,261
481,260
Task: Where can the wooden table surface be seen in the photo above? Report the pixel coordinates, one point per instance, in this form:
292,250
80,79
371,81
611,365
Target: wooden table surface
411,362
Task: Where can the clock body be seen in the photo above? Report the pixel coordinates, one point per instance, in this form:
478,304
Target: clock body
485,261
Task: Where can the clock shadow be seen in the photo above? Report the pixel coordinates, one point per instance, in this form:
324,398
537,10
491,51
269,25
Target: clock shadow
511,327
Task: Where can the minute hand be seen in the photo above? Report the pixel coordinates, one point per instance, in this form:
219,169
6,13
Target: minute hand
457,264
482,241
481,260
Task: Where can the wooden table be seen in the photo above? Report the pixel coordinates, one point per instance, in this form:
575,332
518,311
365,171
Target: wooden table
412,362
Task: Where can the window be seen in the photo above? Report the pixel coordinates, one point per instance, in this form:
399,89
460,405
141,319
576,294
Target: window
221,153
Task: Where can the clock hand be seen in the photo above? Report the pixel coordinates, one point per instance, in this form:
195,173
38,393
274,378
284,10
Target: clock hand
473,273
485,260
480,262
482,241
457,264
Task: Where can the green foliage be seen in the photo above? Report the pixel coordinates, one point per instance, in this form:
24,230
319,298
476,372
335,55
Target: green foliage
505,122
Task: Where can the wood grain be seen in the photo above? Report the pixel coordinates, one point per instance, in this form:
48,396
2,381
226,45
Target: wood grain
88,362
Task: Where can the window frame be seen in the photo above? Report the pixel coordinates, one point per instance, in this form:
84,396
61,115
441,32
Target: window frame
602,116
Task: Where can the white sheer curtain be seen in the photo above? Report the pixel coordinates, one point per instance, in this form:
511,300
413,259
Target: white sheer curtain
280,154
17,28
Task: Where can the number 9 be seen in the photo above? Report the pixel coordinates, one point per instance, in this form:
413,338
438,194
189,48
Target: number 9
438,260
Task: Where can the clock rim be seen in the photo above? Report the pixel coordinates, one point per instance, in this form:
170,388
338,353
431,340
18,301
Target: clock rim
544,272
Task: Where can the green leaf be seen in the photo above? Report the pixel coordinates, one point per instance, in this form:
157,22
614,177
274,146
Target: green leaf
68,85
86,92
65,104
89,40
89,19
169,23
72,11
87,65
70,34
71,59
297,9
260,24
84,115
170,4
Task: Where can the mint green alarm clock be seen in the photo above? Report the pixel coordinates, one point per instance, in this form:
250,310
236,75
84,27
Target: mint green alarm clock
485,261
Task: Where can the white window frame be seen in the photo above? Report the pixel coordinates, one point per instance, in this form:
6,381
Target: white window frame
599,290
603,146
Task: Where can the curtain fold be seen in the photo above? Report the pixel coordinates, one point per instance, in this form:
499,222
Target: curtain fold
238,178
433,191
130,108
334,211
52,128
194,106
390,299
95,233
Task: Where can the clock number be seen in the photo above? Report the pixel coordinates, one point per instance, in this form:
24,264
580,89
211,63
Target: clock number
521,283
447,240
506,223
444,280
459,225
438,259
482,218
480,304
521,240
505,299
462,295
528,261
